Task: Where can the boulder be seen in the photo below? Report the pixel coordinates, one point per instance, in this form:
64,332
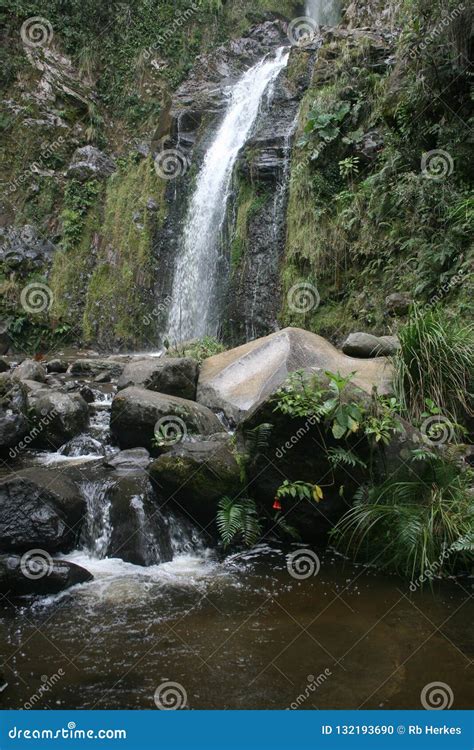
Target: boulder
30,370
61,416
24,248
237,380
94,367
140,533
13,411
398,303
175,377
83,445
41,575
129,460
195,476
57,365
366,345
136,411
89,162
39,509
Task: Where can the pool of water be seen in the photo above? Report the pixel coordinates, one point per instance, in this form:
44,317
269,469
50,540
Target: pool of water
239,633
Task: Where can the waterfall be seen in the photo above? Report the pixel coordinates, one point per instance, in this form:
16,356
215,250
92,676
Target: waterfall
324,12
194,312
97,529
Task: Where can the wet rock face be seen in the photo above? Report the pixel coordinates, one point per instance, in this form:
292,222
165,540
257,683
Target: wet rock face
18,576
136,411
59,416
13,412
88,162
39,509
30,370
24,249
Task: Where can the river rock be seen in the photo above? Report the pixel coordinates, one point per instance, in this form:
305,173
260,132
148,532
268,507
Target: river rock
129,460
61,415
83,445
237,380
175,377
135,412
13,411
94,367
140,533
89,162
58,575
195,476
57,366
366,345
398,303
39,509
30,370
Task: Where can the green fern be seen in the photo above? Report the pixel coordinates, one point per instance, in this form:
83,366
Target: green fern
238,518
342,456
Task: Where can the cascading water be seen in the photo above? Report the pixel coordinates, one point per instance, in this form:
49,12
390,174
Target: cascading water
324,12
194,312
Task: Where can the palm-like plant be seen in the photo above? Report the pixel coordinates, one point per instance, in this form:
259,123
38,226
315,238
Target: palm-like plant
237,520
412,526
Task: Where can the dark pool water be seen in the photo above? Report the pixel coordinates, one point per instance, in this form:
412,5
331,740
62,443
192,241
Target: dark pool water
238,634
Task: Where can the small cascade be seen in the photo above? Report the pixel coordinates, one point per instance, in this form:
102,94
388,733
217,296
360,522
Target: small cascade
97,530
194,310
324,12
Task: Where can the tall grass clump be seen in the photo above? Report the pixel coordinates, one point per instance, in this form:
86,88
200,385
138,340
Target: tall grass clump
420,527
435,362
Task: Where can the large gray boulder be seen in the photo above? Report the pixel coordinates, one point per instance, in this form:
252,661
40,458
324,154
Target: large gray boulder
30,370
40,509
59,416
95,366
366,345
173,376
237,380
136,411
89,162
13,412
40,575
195,476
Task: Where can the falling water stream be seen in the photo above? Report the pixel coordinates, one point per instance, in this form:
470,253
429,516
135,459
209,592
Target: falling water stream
193,311
324,12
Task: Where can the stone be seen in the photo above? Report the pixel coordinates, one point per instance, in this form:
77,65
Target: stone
366,345
93,367
129,460
4,366
87,394
22,576
103,377
83,445
195,476
136,411
30,370
173,376
57,366
39,509
24,248
398,303
14,423
89,162
237,380
62,416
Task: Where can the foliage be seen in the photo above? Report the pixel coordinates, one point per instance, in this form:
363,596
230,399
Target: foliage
200,350
300,490
435,365
414,526
237,520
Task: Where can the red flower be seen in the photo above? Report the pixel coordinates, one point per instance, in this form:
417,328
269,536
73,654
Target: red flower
277,504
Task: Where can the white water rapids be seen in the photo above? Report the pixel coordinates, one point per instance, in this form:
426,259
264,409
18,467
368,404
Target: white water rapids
193,311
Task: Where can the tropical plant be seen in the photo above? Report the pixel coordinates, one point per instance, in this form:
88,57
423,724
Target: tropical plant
301,490
436,362
414,525
237,520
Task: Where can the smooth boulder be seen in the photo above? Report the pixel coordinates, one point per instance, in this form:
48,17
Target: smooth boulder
30,370
95,367
173,376
59,416
136,411
41,509
23,576
237,380
365,345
